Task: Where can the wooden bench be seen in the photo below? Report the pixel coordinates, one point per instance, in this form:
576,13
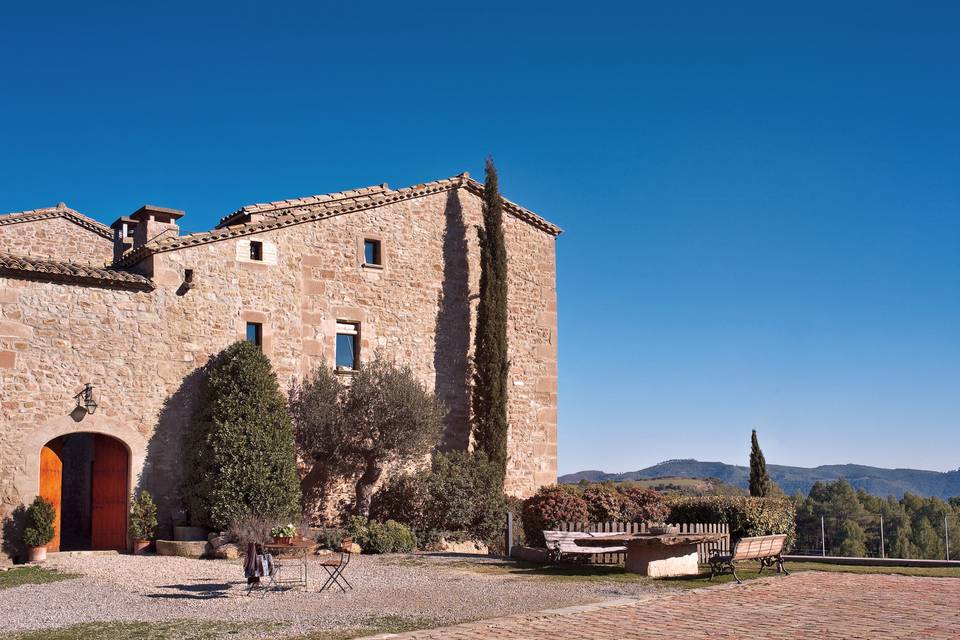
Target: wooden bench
767,549
562,543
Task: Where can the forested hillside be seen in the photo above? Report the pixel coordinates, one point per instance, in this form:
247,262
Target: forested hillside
873,480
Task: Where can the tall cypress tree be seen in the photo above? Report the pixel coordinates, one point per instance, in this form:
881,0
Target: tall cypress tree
490,343
760,484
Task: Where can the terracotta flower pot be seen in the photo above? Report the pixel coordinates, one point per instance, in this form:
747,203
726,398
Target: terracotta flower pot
38,554
140,546
282,540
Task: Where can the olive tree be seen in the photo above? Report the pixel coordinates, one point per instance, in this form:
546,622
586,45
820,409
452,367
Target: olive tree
385,416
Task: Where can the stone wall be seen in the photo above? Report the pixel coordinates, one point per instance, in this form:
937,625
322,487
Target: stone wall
55,239
142,350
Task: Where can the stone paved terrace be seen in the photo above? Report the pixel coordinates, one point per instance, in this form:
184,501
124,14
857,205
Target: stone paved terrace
803,605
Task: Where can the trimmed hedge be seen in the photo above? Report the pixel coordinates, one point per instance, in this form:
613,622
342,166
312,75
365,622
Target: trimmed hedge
746,516
608,503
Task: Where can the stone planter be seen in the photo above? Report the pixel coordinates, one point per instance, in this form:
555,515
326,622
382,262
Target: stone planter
183,548
37,554
139,547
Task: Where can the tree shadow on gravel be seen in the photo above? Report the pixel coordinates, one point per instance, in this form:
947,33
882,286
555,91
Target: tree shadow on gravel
202,591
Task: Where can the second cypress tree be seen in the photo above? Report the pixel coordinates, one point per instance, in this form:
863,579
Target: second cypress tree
490,343
760,484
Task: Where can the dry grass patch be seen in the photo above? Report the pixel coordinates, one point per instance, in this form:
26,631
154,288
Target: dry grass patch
171,630
32,575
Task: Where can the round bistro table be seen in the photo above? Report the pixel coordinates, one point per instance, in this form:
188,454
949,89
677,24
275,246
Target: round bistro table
659,556
291,558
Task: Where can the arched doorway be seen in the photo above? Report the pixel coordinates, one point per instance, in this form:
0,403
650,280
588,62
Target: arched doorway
86,477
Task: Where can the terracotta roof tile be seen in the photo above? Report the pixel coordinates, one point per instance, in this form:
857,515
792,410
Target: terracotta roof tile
59,211
59,271
285,213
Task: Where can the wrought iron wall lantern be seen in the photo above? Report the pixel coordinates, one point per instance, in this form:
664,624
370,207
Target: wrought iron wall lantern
85,399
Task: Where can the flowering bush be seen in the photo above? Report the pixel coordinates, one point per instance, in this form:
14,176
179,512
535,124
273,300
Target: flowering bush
550,506
606,504
645,505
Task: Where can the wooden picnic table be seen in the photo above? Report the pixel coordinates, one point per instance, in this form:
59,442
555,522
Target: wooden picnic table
282,553
658,555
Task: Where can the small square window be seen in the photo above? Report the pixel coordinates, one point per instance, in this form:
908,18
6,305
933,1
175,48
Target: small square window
348,345
255,333
371,252
256,250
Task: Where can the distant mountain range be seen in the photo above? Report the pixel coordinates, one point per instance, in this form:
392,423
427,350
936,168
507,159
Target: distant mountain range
880,482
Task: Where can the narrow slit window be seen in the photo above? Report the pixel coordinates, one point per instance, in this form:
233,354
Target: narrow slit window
256,250
371,252
348,345
255,333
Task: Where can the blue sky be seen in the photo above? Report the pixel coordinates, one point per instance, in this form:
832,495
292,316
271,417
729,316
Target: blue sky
762,208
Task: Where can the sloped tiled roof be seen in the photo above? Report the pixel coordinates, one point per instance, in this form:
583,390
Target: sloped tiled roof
285,213
69,272
279,207
59,211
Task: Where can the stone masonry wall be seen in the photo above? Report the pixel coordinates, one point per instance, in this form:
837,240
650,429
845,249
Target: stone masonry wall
55,239
142,350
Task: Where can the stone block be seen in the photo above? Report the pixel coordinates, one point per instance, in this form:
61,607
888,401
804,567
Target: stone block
228,551
183,548
10,329
190,534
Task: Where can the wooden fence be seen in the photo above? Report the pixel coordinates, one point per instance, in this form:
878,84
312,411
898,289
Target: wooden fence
722,545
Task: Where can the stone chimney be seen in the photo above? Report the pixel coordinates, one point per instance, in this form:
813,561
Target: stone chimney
154,223
122,236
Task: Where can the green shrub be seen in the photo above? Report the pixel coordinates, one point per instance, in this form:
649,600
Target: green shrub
746,516
143,516
241,457
41,515
331,537
460,494
403,498
466,494
381,537
550,506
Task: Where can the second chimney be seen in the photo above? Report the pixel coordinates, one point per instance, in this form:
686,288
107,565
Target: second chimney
154,223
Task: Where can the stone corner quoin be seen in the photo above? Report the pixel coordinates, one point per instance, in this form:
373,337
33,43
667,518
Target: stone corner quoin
136,309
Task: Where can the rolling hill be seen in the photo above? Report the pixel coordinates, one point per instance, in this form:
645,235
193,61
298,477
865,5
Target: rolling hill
875,480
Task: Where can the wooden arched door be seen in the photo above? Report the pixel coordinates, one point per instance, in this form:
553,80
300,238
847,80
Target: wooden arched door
51,483
109,500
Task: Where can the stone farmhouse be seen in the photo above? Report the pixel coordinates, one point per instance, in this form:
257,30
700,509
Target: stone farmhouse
136,309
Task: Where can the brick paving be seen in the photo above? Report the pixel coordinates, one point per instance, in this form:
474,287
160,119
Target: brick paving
803,605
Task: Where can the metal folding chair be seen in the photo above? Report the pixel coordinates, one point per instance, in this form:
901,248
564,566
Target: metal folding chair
335,567
269,570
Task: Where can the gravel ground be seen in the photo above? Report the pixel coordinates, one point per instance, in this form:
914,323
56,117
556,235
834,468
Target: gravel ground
440,588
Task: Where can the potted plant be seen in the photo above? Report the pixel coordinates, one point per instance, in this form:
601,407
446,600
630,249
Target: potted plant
284,534
143,521
39,530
